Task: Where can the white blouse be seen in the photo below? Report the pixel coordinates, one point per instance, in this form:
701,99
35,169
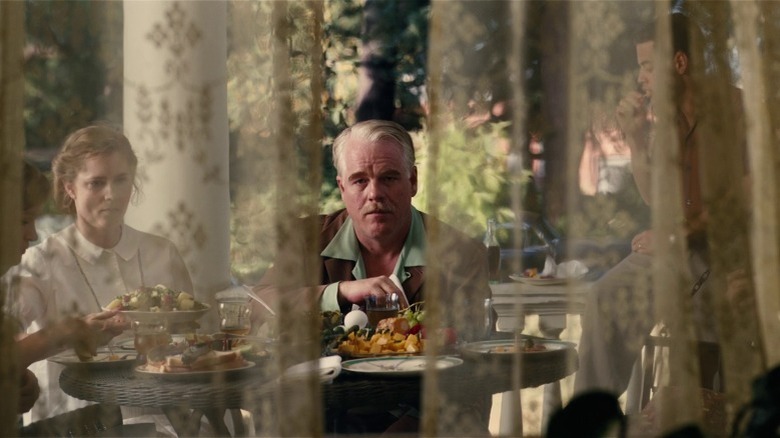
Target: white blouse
66,275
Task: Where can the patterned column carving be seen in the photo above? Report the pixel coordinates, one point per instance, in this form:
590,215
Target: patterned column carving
175,115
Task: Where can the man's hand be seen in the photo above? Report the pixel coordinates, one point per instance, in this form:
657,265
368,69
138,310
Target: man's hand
358,290
643,242
632,116
739,291
28,391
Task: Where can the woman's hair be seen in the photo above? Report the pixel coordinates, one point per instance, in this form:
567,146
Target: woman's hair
81,145
374,131
36,188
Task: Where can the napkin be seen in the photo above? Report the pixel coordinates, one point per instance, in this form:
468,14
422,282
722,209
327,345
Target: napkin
567,269
403,302
328,369
550,267
571,269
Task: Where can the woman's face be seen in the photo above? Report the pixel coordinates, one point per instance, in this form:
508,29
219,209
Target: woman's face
101,191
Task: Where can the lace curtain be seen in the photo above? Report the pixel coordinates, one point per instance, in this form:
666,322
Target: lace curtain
546,76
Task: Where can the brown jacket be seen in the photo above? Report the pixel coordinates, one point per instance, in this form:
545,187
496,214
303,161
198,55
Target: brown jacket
462,281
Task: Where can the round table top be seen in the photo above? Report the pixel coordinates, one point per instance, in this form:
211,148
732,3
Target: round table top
126,387
475,377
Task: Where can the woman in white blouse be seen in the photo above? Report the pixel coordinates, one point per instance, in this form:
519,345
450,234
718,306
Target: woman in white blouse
83,267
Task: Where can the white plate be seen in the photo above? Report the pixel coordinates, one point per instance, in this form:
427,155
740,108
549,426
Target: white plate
195,375
397,366
328,369
100,361
535,281
505,347
171,317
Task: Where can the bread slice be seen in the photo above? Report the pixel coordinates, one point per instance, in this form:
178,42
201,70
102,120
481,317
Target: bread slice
218,360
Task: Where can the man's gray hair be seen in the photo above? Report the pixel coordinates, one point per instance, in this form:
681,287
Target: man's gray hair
374,131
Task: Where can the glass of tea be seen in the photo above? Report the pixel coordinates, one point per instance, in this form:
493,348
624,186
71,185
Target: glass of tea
378,311
235,317
149,335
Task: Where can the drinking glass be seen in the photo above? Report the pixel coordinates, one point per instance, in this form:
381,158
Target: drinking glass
235,317
377,312
149,335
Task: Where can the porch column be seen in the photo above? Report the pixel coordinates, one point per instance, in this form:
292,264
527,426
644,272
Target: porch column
175,115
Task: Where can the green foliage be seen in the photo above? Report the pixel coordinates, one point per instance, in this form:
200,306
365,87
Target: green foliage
472,181
69,76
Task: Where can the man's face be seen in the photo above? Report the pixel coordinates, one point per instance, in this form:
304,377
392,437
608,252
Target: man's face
377,189
646,77
29,234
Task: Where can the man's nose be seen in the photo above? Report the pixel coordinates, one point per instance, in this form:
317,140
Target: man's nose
374,189
29,233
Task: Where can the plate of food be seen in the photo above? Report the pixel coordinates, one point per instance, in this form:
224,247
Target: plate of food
528,346
158,304
177,362
539,281
398,366
105,359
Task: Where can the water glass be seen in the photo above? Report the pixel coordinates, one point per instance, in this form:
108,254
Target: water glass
235,317
377,312
149,335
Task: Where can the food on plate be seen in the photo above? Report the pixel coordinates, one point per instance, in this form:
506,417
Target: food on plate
529,346
199,357
356,317
394,325
384,342
155,299
534,273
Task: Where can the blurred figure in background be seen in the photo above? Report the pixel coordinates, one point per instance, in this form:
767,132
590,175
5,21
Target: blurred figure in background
620,310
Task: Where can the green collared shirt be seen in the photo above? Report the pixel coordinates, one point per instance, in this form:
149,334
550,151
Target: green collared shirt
345,246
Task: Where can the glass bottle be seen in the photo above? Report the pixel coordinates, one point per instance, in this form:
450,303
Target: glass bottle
493,252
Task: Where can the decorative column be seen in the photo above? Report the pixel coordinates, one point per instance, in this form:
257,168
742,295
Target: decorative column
175,115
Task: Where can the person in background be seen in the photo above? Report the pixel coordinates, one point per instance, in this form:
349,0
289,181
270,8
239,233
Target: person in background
81,333
81,268
380,234
612,336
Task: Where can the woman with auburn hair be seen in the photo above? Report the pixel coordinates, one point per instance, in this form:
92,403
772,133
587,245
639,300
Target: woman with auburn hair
80,269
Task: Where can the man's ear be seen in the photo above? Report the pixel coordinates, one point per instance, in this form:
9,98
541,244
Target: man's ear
681,63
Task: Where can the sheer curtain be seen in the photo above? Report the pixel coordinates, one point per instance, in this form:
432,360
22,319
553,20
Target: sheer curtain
511,92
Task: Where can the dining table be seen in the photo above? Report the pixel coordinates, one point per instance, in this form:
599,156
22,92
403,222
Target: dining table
186,401
552,300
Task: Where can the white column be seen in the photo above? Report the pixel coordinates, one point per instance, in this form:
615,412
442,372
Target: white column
175,115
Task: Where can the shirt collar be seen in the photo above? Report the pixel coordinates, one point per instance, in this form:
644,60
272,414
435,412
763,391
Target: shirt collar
344,245
89,252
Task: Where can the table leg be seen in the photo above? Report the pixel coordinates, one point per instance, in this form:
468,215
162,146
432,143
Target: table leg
511,415
184,421
238,422
551,327
216,418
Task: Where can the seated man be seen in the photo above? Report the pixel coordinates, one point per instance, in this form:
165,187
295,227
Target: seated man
380,234
620,309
